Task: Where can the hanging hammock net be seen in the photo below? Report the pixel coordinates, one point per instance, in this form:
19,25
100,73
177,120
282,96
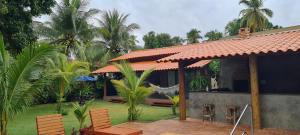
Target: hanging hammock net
166,90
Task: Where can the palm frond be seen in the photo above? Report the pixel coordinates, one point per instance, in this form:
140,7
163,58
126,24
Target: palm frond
20,86
142,92
245,2
268,12
123,90
129,74
4,55
254,15
143,77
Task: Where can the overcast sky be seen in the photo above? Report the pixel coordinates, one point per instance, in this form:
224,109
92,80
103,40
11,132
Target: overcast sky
177,17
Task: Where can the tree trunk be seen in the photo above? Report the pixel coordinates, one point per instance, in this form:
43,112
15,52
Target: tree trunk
3,125
132,111
61,95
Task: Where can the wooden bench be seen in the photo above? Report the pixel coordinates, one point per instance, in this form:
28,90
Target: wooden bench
101,124
115,99
50,125
159,102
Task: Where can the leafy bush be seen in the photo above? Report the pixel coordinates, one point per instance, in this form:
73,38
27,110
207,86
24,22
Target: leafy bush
199,83
214,67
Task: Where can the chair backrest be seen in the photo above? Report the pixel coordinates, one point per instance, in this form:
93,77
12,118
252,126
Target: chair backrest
99,118
208,109
50,125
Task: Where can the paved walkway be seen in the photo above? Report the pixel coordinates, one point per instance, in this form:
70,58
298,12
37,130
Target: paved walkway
196,127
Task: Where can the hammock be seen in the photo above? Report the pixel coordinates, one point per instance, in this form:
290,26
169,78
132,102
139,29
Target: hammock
166,90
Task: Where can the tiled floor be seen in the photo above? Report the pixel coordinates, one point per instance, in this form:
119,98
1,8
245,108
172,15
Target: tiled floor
197,127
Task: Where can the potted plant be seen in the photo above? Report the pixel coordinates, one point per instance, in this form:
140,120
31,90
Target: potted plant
199,83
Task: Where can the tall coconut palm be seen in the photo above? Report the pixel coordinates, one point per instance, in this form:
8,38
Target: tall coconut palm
96,55
255,15
193,36
69,25
132,88
20,79
114,31
65,72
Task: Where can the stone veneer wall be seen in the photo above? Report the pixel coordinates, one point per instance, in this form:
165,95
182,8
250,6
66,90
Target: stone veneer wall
277,111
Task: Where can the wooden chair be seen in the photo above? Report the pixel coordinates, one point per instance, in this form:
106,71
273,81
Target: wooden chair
232,113
101,124
50,125
208,112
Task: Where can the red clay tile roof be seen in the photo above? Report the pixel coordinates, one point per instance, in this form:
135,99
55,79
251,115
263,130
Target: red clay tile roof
140,66
199,64
144,65
261,44
153,52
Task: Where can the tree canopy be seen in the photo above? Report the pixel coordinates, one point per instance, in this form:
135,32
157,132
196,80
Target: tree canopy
153,40
115,33
232,27
16,21
69,25
213,35
193,36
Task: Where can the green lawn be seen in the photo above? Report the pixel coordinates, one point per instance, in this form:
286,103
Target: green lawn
24,124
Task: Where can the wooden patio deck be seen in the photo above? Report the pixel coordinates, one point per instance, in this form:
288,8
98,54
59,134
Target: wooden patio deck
197,127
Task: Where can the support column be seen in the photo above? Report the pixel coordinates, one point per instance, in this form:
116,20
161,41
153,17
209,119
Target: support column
182,101
254,92
104,88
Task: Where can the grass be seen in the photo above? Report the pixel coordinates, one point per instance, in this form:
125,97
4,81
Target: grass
24,124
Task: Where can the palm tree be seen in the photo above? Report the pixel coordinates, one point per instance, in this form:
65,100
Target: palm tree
65,73
114,31
20,79
255,15
96,55
213,35
132,88
193,36
69,25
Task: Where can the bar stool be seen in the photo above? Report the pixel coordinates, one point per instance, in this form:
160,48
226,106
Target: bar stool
232,113
208,112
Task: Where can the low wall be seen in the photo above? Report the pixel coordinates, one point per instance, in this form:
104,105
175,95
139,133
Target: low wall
277,111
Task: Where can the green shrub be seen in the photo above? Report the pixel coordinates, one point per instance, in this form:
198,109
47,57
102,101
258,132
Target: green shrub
199,83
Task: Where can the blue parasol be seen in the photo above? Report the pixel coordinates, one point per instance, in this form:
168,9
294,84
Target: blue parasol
86,78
